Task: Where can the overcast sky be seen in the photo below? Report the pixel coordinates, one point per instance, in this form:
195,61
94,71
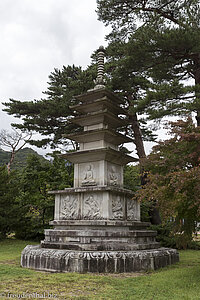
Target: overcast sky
38,36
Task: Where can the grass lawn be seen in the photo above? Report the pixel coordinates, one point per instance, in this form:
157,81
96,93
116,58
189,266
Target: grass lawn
180,281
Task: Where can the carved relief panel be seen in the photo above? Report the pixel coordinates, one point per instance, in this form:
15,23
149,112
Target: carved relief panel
88,174
114,175
132,210
91,207
69,207
117,207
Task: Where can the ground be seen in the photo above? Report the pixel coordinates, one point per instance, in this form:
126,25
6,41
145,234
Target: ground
179,281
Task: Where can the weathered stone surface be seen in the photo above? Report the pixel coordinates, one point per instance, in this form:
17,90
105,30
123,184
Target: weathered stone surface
98,105
96,203
100,117
103,135
53,260
104,153
87,239
102,224
95,95
96,225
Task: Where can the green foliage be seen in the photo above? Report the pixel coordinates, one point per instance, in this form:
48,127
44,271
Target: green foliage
165,234
133,181
148,64
25,205
35,205
145,208
125,16
158,42
132,177
8,210
179,153
153,66
131,86
61,173
50,116
169,57
20,158
4,157
167,238
174,179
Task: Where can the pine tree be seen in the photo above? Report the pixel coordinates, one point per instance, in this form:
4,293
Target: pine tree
161,40
50,116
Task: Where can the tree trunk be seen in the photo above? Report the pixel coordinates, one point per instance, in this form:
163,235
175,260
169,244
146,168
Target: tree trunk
138,138
153,212
12,157
138,141
197,82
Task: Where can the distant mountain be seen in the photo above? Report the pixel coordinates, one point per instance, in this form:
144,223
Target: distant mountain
20,158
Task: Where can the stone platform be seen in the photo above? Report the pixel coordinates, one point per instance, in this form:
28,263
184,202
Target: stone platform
99,235
103,246
54,260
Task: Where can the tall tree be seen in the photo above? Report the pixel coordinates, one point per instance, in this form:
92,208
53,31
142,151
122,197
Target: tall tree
50,116
162,37
14,141
146,71
130,85
125,16
174,179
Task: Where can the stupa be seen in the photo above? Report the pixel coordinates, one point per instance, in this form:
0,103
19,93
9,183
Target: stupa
97,225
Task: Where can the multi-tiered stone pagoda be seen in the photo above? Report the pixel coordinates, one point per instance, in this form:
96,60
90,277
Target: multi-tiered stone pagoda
97,225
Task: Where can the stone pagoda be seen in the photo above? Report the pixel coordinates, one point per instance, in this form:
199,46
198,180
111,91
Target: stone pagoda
97,225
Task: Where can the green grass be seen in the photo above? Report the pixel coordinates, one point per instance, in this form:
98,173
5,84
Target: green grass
179,281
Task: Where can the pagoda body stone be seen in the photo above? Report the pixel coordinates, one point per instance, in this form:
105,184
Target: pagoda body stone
97,225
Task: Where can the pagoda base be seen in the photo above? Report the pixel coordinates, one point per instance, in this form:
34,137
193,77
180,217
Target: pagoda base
56,260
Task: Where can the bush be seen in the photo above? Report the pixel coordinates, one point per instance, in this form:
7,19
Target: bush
168,238
165,234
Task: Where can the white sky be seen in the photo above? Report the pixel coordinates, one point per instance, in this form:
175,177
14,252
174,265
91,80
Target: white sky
40,35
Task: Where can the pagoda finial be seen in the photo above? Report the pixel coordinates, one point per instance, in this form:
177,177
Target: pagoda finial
100,81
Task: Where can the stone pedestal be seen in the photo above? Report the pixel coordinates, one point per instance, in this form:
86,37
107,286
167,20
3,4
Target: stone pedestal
35,257
97,225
